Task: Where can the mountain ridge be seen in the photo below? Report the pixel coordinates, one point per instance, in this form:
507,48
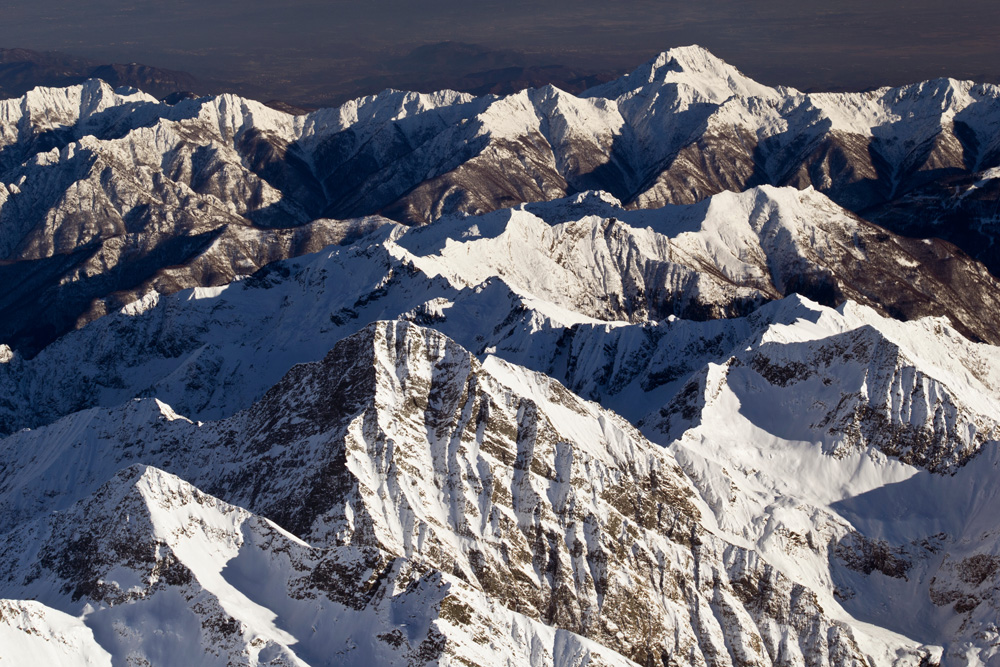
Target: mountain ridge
685,125
428,388
491,275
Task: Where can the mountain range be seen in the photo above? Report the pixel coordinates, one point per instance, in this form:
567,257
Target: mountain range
680,370
22,70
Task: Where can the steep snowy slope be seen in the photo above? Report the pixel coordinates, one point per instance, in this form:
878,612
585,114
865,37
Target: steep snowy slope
488,504
32,633
839,142
859,452
104,197
786,419
856,453
704,127
172,576
850,379
494,281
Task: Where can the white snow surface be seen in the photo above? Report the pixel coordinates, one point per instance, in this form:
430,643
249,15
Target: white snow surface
429,493
634,125
238,594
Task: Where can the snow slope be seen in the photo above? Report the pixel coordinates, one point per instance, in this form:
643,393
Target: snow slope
793,439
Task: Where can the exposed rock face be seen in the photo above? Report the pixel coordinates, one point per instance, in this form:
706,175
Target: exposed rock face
108,196
408,466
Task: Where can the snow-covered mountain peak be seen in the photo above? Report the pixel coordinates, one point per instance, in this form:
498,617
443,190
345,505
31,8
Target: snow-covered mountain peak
43,109
946,93
868,381
702,70
694,68
488,280
387,107
589,202
258,333
804,318
224,173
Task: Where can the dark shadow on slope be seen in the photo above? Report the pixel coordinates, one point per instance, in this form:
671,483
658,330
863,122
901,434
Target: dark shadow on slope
582,161
286,168
22,150
967,138
211,174
907,525
371,187
935,159
118,121
937,204
819,286
109,124
971,222
925,503
616,175
832,162
44,187
42,309
458,185
22,326
348,576
373,164
652,167
843,158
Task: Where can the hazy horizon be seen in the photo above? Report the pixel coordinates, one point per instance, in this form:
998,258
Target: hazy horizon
299,47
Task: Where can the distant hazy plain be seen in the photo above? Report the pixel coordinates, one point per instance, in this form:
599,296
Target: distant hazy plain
285,49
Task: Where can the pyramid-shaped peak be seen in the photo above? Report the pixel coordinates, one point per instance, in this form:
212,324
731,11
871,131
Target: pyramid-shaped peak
385,355
690,58
692,66
141,486
393,351
394,339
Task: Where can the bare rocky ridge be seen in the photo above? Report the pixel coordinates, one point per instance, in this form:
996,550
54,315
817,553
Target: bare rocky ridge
405,460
